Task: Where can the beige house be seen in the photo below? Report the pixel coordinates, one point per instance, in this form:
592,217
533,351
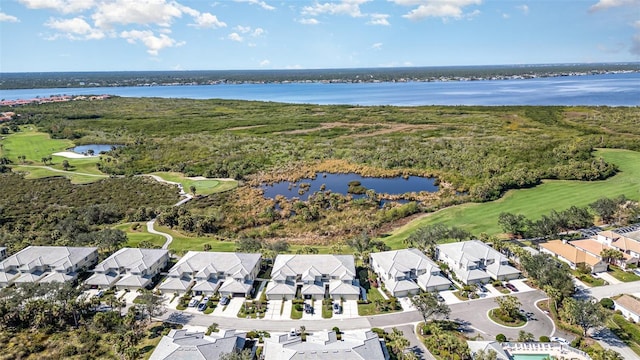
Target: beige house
595,248
628,243
573,256
230,274
405,272
314,276
129,268
629,306
46,264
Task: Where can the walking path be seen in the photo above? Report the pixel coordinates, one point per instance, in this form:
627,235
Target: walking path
150,224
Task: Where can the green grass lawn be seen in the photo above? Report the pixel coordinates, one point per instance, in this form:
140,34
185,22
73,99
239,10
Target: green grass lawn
181,243
535,202
32,144
203,187
135,237
624,276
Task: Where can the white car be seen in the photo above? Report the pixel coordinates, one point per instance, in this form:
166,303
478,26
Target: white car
560,340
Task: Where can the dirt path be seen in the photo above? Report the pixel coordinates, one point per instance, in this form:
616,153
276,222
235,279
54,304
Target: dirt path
152,222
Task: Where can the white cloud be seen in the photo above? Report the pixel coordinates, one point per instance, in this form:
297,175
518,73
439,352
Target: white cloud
235,37
505,16
243,29
142,12
74,29
262,4
293,67
607,4
523,8
207,20
377,46
444,9
8,18
344,7
379,19
150,40
63,6
310,21
264,62
258,32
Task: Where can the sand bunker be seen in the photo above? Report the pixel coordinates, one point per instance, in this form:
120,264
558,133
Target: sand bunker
72,155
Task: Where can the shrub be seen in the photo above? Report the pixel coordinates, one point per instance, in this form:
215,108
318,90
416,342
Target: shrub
336,329
379,332
544,338
501,338
607,303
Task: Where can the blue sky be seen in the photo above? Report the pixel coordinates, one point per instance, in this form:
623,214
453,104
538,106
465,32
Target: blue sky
107,35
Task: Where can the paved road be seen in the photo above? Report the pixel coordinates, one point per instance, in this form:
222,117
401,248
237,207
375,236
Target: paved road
415,344
600,292
609,340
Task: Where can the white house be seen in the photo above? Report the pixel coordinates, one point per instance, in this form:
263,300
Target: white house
316,276
629,306
46,264
180,344
595,248
355,345
231,274
476,262
405,272
129,268
628,243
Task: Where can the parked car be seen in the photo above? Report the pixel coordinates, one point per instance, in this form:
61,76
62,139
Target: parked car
224,301
308,308
194,302
440,298
100,294
511,287
559,340
483,289
205,300
294,332
337,309
202,306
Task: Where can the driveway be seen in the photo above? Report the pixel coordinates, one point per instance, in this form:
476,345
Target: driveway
317,310
600,292
231,309
609,340
608,278
273,309
349,310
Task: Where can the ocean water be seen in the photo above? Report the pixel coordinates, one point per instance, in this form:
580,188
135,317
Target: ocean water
622,89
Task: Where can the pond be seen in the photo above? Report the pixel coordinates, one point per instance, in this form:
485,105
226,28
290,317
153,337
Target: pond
339,183
97,148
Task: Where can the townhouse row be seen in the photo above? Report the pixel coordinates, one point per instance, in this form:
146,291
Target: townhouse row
404,272
591,252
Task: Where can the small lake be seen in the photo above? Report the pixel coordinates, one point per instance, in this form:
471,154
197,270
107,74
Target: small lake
97,148
338,183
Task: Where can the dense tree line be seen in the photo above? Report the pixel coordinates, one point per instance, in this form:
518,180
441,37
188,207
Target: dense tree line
550,225
55,212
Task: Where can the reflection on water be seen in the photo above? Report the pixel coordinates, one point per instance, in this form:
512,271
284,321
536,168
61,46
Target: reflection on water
338,183
97,148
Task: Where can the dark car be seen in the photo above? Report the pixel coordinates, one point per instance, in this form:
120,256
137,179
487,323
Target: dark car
337,309
202,306
308,308
511,287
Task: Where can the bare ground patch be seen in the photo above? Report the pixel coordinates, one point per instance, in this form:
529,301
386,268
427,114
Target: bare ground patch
386,128
245,127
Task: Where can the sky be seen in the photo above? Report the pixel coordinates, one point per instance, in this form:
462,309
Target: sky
114,35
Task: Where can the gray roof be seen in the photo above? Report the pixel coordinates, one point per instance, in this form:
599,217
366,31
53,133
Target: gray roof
182,345
102,279
324,345
475,252
132,259
55,257
231,264
175,283
487,346
401,261
274,288
131,280
402,285
234,286
342,266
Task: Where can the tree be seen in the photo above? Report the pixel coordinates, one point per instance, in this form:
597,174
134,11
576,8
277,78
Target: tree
397,342
586,313
605,208
362,245
524,336
606,354
212,328
65,165
428,305
509,305
192,189
243,355
482,355
513,224
249,245
150,304
610,255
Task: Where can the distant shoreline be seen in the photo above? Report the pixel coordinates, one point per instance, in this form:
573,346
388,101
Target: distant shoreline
39,80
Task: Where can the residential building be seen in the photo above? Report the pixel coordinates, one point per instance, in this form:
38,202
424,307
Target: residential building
629,306
405,272
46,264
573,256
180,344
487,347
316,276
595,248
357,345
628,243
476,262
129,268
231,274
